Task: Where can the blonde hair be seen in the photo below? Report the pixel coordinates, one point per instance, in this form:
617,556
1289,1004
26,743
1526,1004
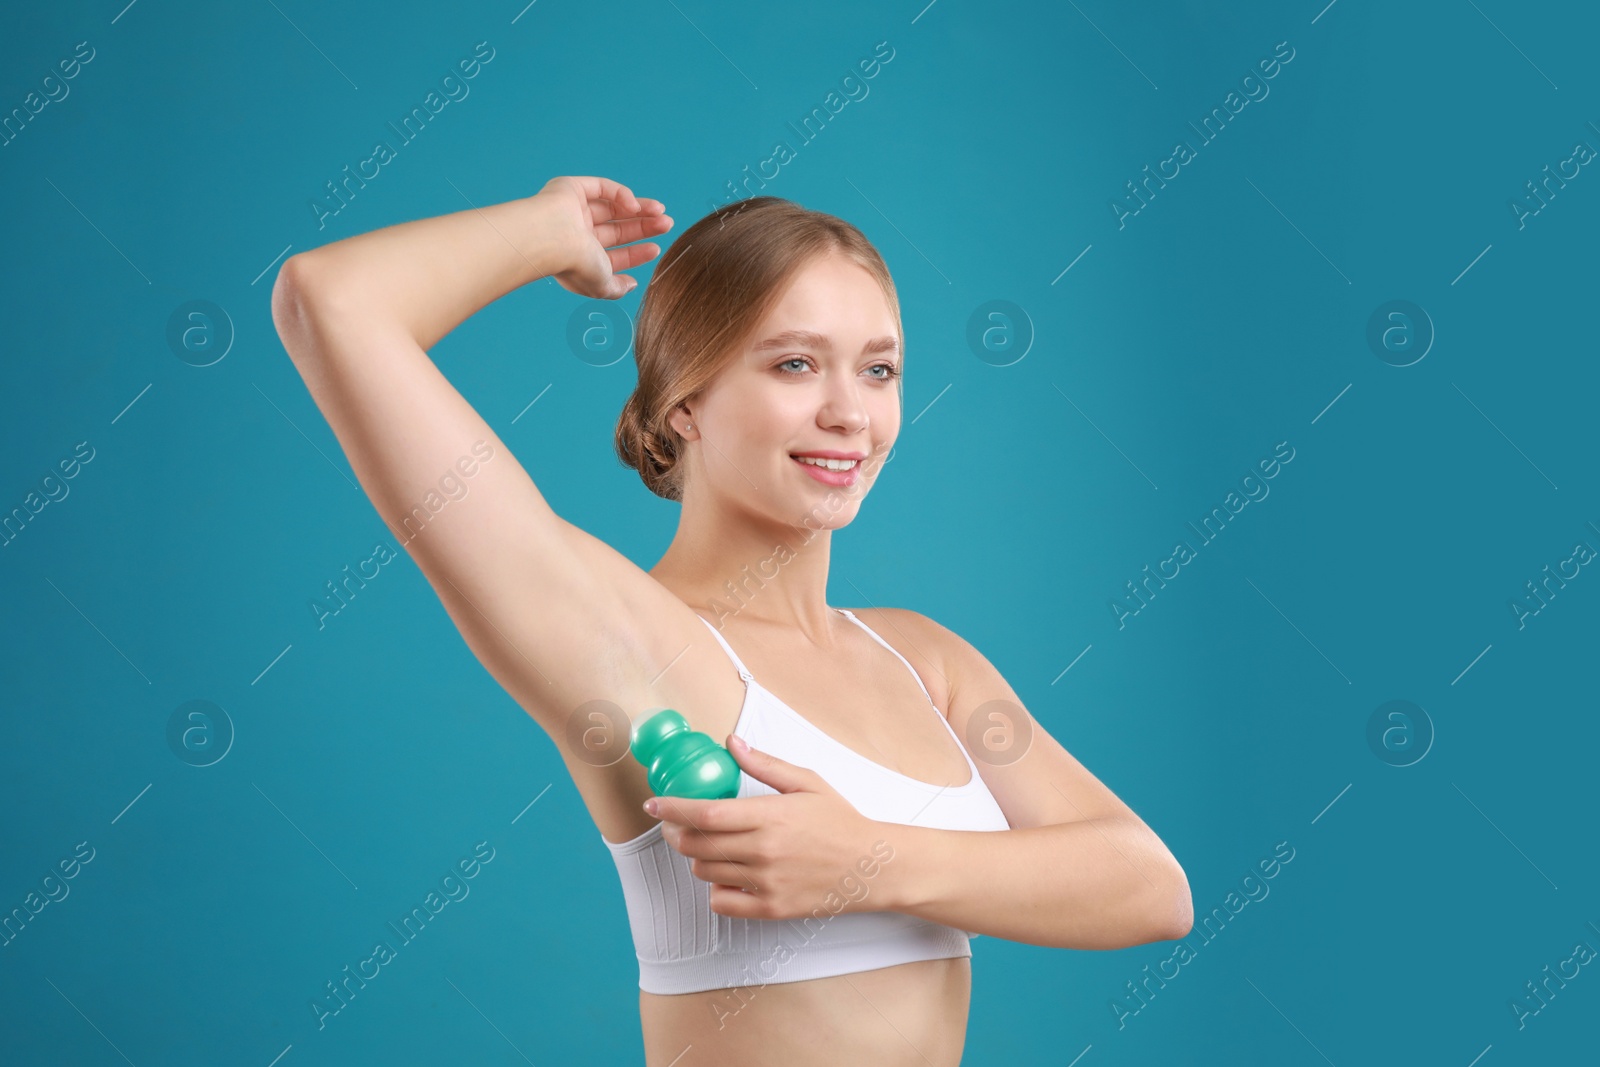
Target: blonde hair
708,293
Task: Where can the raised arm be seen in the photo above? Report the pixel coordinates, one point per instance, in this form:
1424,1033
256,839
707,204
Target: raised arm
557,616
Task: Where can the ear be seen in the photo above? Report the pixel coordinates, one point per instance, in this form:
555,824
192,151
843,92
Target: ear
682,422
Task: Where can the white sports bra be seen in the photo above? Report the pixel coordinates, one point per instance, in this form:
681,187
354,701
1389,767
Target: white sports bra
685,947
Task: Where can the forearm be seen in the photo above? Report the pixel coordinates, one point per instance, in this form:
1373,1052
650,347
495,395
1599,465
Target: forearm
1094,884
432,274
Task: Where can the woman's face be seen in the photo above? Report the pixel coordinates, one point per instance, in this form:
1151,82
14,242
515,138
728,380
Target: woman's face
820,373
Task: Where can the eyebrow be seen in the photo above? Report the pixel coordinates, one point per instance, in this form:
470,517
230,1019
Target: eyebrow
810,339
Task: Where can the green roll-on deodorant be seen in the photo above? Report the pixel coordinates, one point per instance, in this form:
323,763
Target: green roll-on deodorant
681,762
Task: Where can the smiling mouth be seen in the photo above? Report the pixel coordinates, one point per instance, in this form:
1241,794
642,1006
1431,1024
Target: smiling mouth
840,465
839,473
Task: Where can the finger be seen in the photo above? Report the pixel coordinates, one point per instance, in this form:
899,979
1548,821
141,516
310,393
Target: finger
780,774
626,231
732,854
695,844
729,900
630,256
596,188
607,210
731,815
681,811
718,872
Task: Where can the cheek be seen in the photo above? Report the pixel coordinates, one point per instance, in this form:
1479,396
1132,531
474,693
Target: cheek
886,431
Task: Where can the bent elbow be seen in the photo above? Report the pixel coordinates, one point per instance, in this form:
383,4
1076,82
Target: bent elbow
1165,911
290,315
1177,917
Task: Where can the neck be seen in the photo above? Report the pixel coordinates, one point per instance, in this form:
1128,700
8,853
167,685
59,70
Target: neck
726,566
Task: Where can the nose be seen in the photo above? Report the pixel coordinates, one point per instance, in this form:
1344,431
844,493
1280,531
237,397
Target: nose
843,408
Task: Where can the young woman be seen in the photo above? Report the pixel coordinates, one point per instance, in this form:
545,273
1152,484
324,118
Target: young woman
823,915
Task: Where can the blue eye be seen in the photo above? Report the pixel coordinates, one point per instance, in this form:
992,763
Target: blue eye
891,371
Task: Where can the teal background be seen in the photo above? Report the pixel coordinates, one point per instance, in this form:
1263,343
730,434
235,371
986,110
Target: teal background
1230,314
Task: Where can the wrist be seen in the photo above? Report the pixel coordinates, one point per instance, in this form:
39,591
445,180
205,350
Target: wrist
543,243
905,866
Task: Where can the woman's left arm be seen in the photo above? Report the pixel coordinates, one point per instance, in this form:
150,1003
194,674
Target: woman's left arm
1078,869
1096,883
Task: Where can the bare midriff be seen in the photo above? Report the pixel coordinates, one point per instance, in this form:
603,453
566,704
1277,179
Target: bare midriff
911,1013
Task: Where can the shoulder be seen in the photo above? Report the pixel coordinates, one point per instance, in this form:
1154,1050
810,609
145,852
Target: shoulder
938,653
958,676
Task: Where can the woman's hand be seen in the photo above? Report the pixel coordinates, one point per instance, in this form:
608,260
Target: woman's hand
774,857
592,216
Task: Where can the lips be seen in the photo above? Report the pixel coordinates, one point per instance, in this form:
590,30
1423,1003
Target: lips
830,477
828,453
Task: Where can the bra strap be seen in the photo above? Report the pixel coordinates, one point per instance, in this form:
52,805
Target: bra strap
744,674
852,617
962,745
